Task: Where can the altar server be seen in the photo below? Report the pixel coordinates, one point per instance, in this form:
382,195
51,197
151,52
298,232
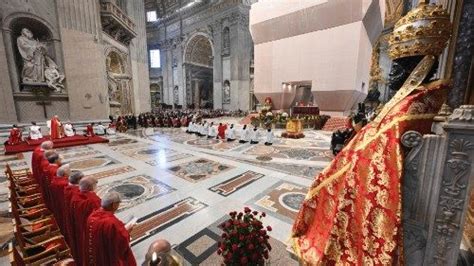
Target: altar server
269,137
35,131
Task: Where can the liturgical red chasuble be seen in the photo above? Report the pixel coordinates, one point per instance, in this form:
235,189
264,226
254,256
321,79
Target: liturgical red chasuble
103,229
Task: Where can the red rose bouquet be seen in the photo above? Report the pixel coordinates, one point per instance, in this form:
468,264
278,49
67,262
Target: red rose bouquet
245,239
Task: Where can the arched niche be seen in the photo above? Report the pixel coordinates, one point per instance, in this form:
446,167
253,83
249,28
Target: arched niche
199,51
119,87
115,62
226,41
155,93
198,63
226,92
41,30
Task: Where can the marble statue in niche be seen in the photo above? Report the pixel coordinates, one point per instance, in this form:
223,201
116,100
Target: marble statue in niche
38,67
226,92
226,41
176,95
115,97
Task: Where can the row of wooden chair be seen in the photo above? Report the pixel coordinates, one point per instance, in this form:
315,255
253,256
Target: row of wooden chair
38,240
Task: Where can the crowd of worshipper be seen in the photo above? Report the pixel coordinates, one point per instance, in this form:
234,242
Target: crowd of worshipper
88,223
164,118
229,133
168,118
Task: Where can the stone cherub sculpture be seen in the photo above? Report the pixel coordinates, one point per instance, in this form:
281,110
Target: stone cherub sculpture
38,67
53,78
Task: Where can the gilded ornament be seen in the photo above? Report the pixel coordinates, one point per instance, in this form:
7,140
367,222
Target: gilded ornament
425,30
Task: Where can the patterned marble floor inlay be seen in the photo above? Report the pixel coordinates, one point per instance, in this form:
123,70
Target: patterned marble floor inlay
283,198
305,171
149,225
237,182
121,141
136,190
149,153
168,159
7,158
79,154
201,248
112,172
91,163
291,153
198,170
180,185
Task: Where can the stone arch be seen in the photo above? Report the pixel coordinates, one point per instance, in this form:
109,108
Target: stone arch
115,63
10,19
42,30
199,50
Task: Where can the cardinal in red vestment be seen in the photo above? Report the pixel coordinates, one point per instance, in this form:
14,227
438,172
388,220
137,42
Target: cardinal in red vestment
221,131
49,167
70,191
90,130
56,128
15,136
83,204
56,191
37,157
352,212
103,228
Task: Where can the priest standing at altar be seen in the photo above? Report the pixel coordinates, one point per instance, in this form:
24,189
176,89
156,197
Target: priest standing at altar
56,128
108,238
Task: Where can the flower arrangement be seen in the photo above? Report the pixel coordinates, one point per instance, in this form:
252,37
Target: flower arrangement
244,239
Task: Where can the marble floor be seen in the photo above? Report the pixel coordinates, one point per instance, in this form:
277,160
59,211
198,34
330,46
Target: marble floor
180,186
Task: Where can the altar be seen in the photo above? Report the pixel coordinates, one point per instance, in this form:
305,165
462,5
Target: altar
305,110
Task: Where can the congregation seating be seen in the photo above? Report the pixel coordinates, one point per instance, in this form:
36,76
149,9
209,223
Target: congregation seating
38,239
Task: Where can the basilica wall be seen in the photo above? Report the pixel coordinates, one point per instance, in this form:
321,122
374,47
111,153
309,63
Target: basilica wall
139,58
289,52
73,40
205,54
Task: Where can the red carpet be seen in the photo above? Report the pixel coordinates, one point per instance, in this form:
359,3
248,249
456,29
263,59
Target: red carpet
335,123
77,140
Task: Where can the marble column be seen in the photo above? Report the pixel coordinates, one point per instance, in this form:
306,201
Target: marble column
217,64
197,93
7,108
14,78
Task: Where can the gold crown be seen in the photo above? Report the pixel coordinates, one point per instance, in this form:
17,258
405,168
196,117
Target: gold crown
425,30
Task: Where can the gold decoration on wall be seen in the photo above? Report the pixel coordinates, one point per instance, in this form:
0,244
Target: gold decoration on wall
393,12
375,70
425,30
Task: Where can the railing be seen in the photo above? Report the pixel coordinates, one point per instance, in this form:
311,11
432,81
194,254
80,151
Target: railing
107,7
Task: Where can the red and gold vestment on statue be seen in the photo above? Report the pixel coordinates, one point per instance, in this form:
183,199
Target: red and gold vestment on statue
352,213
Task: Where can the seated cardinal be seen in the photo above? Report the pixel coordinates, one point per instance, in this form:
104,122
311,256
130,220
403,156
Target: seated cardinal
15,136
